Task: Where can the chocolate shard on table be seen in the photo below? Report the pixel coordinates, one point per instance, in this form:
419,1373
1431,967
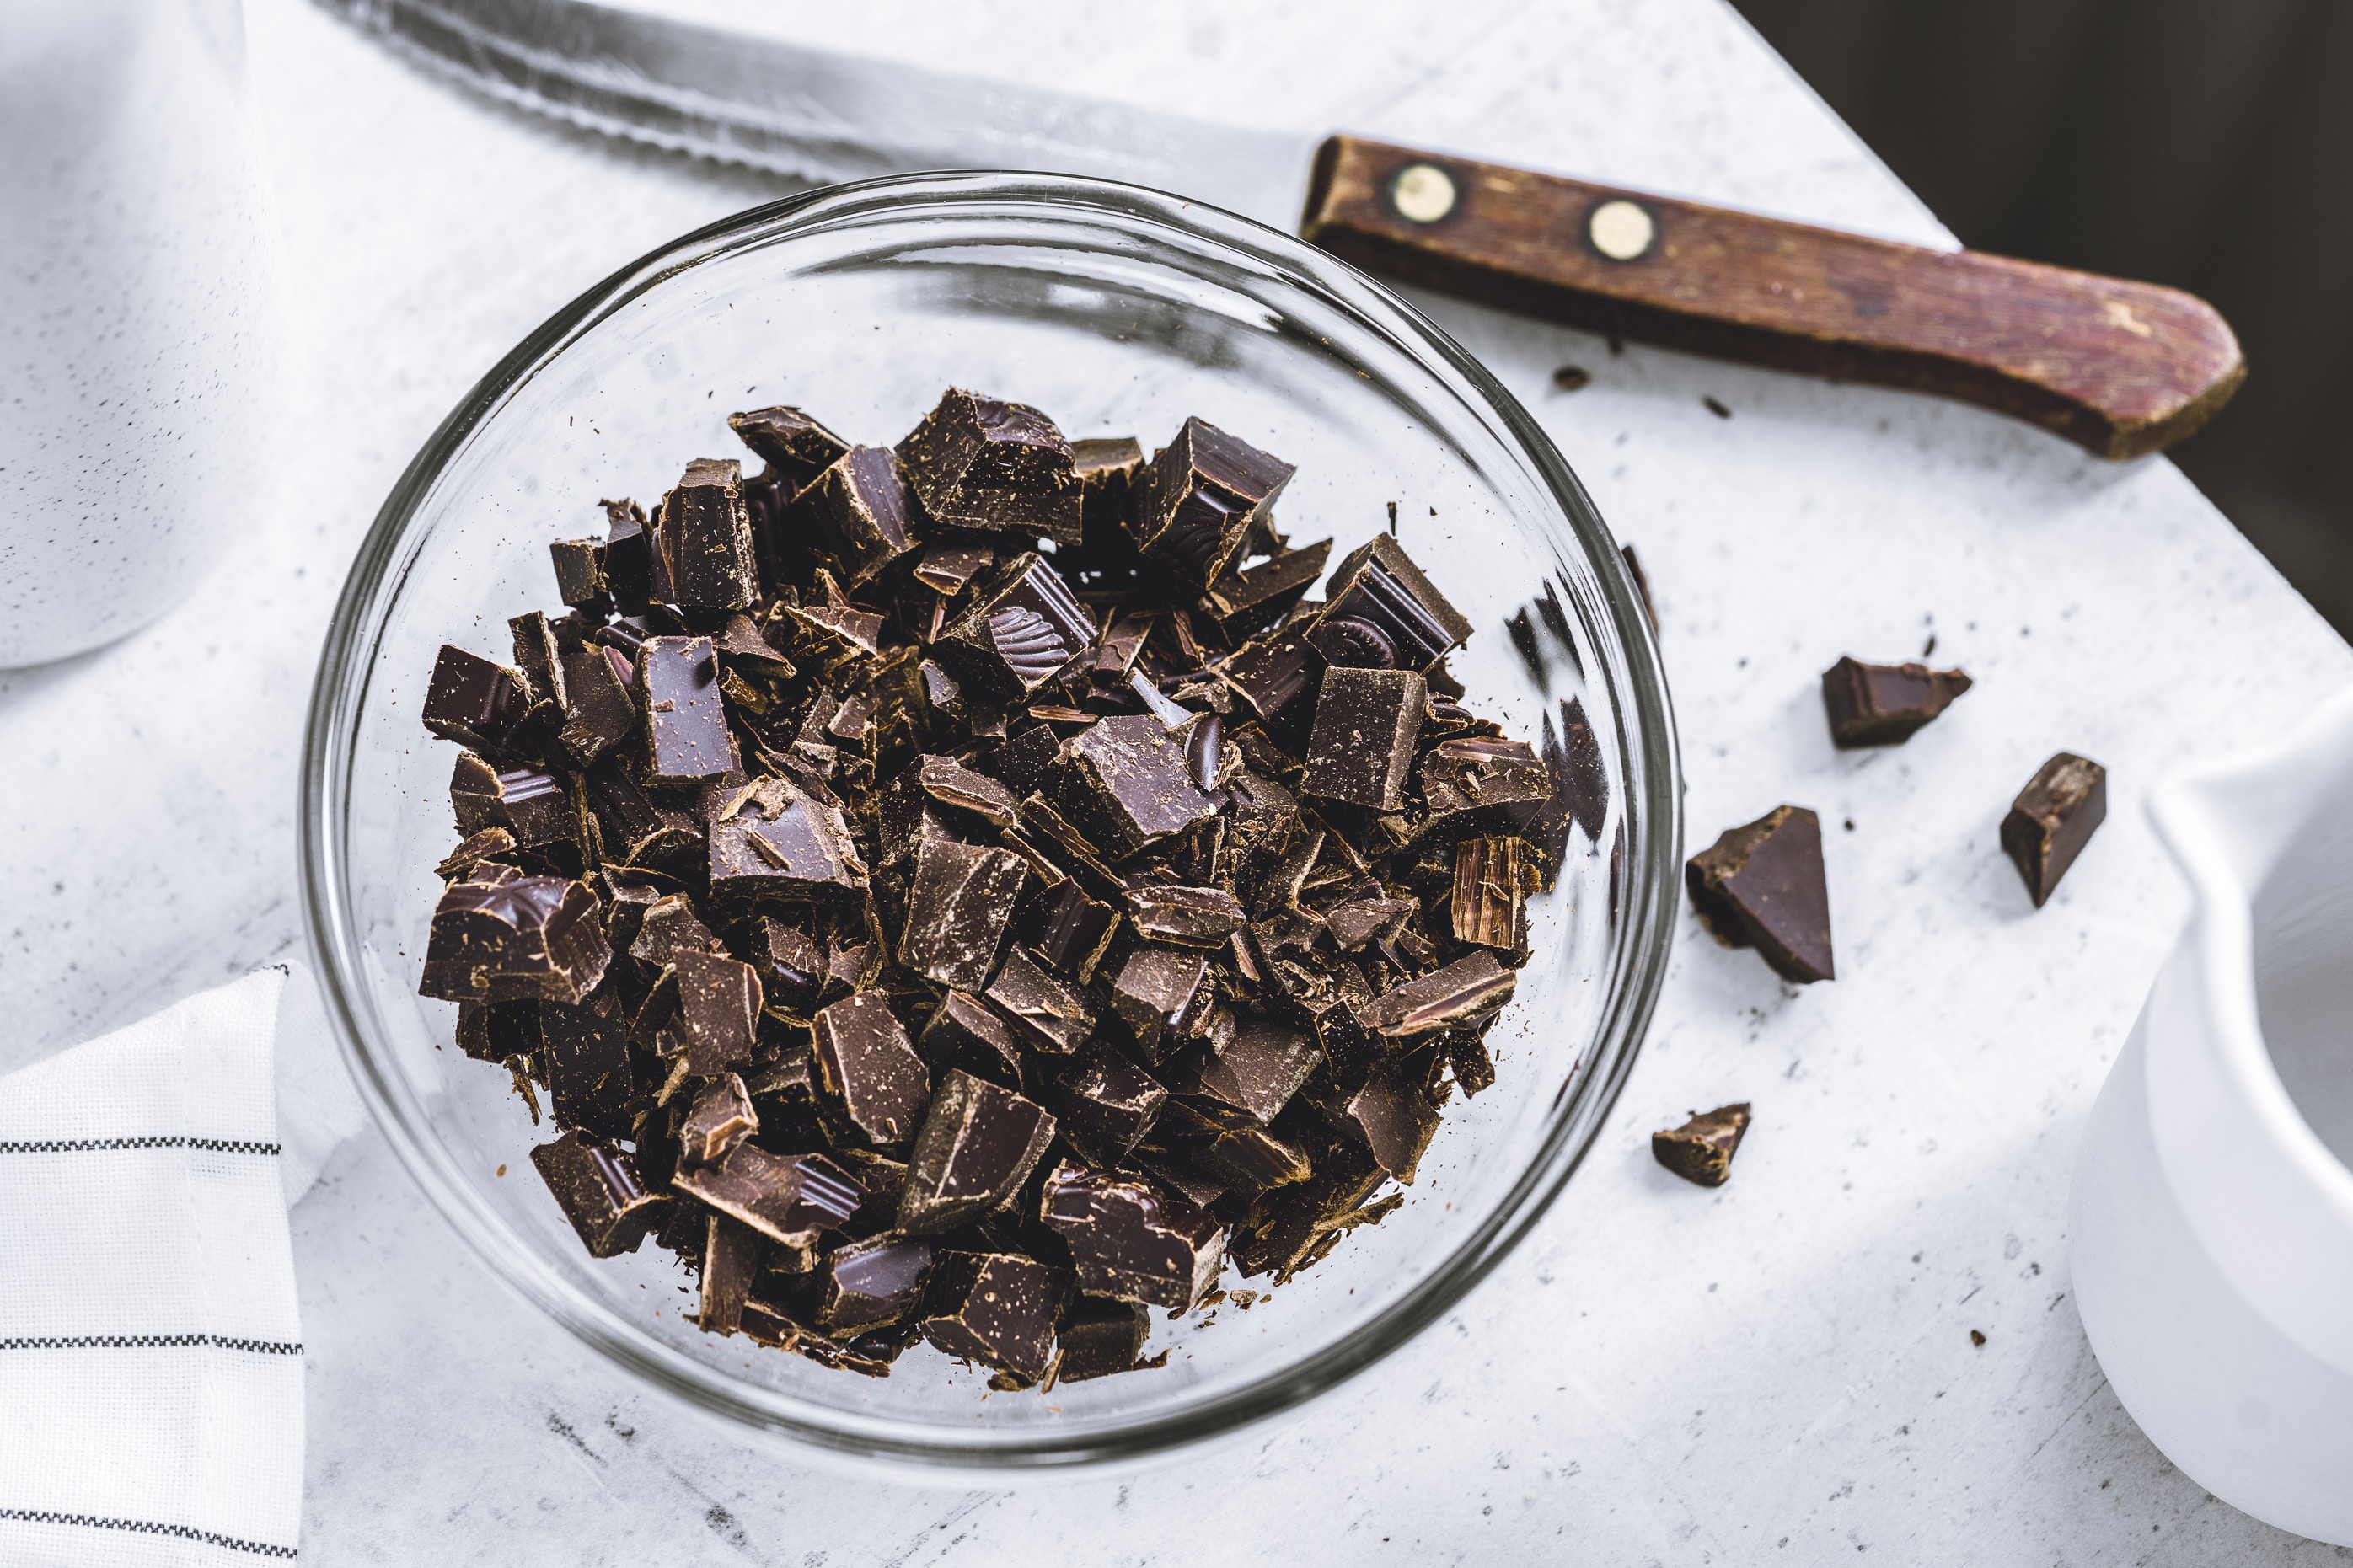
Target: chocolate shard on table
1106,1104
865,510
796,447
994,1308
529,801
1131,1240
1124,783
978,1143
1067,929
1046,1013
1106,468
732,1253
1102,1337
522,939
1201,498
721,1117
1024,626
870,1071
2052,820
1475,785
1361,747
1701,1150
1381,613
687,737
1157,993
1762,886
1242,603
598,1187
474,701
580,573
789,1198
958,904
1491,888
779,841
1464,991
1190,917
585,1062
1884,704
869,1284
995,466
1254,1073
965,1033
703,542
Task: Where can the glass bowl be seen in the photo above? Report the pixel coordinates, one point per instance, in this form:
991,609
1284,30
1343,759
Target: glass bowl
1119,311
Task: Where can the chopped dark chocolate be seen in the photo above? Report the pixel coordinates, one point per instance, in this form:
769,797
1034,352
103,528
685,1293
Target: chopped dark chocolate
1290,1226
797,448
598,1187
958,908
1255,1072
525,939
1381,613
1762,886
1884,704
732,1253
1277,676
528,802
965,1033
862,504
1361,749
1701,1150
1158,992
716,1024
776,840
1048,1014
1389,1115
995,1308
629,557
1124,781
2052,820
473,701
789,1198
979,1142
1067,929
1107,469
1105,1103
979,463
1464,991
579,572
1131,1240
947,567
599,713
1192,917
705,541
1250,1160
721,1117
1023,627
1243,604
1474,784
1490,905
1202,497
791,966
867,1284
587,1064
1102,1337
687,737
869,1069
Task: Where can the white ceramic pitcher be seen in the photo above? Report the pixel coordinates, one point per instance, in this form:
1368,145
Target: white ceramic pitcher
2212,1224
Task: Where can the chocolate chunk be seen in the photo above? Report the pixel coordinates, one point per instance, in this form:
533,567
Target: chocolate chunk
1701,1150
1490,904
632,828
665,928
957,909
996,1308
1291,1226
585,1059
1240,604
1023,627
494,1031
952,783
1250,1160
1475,785
599,713
1464,991
2050,822
1201,498
721,1117
1158,992
491,843
789,1198
528,802
473,701
776,840
1107,469
1067,929
1191,916
1205,752
1021,763
538,659
1762,886
1124,781
1467,1058
1361,749
522,939
1254,1074
1102,1337
797,448
862,505
1389,1115
1048,1014
1105,1103
732,1253
1131,1240
867,1284
1882,704
979,463
705,538
964,1033
869,1069
598,1189
740,641
1382,614
579,572
947,567
852,631
1277,676
716,1024
629,557
687,738
978,1143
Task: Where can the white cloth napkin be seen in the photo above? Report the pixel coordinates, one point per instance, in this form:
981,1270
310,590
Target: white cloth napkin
151,1347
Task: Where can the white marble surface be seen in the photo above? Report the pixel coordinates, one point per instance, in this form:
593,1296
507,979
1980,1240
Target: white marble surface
1778,1370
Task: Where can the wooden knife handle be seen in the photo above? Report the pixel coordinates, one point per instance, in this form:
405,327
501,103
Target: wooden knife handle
2120,368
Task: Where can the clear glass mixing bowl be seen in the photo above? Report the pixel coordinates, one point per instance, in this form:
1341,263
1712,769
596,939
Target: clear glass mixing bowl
1118,311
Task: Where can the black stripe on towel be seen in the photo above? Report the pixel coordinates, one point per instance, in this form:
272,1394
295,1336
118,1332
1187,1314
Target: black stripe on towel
147,1527
168,1141
150,1341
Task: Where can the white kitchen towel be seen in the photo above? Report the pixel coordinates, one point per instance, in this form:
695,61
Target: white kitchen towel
151,1344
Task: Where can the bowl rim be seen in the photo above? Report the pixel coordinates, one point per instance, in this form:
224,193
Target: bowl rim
1647,740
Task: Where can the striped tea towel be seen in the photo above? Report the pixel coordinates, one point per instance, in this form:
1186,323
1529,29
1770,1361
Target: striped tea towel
151,1354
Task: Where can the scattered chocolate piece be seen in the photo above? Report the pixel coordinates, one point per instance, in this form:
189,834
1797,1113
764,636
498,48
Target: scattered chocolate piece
1884,704
1250,1160
1160,989
587,1064
791,966
1201,498
996,1308
778,840
629,557
522,939
1107,469
1105,1103
1000,467
599,713
1242,603
1701,1150
1390,1117
946,568
1381,613
1102,1337
580,573
705,540
1478,784
866,1066
2052,820
1490,904
1067,929
489,844
1023,627
1362,747
721,1117
598,1189
1132,1241
978,1143
1762,886
1255,1072
964,1033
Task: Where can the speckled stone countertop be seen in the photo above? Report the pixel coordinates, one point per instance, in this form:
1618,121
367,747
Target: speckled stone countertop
1777,1370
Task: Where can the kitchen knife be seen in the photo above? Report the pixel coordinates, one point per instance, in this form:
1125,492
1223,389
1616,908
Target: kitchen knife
2117,367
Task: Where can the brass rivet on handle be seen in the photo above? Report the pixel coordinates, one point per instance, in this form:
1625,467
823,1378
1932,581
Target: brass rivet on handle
1423,193
1622,230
